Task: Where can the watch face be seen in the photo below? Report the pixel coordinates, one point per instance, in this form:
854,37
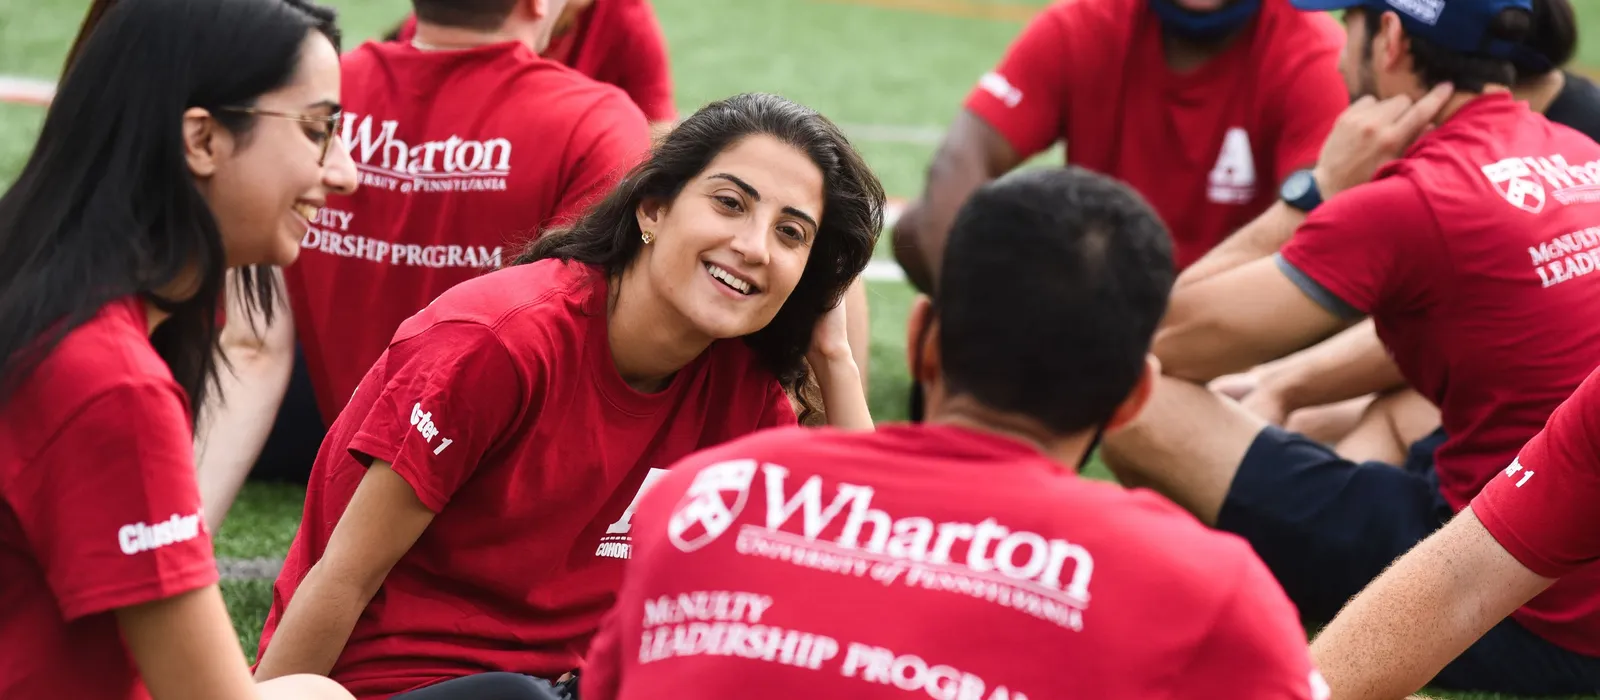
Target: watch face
1297,186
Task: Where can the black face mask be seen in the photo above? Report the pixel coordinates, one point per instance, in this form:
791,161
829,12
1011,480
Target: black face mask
918,403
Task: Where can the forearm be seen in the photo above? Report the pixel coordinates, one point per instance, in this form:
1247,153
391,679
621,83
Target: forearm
235,422
315,627
843,397
1432,604
920,234
1349,365
1258,239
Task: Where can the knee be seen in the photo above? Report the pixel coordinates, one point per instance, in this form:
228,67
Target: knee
303,687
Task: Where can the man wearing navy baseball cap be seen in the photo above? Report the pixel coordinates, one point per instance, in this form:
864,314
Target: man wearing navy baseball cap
1464,224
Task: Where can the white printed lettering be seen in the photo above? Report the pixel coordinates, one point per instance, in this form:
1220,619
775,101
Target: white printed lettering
141,537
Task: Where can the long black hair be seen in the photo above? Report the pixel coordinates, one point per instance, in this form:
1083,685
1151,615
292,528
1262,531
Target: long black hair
607,235
106,206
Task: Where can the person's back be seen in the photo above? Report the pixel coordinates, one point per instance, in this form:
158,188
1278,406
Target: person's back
1500,216
932,559
464,154
961,557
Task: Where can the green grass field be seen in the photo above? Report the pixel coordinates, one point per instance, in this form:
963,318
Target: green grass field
893,72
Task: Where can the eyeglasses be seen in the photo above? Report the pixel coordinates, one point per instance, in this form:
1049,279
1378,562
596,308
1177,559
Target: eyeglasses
332,122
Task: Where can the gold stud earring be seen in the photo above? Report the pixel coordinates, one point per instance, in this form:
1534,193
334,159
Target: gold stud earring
647,237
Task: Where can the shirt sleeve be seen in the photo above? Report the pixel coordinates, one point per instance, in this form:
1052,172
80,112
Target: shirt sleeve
1375,248
642,54
1256,647
780,410
610,139
1542,507
452,391
111,507
1025,97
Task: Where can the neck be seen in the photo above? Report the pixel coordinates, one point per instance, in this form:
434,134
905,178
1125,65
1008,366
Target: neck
434,37
1540,92
962,411
1460,99
153,317
1184,55
650,341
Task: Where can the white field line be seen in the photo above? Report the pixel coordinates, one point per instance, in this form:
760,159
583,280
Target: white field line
26,90
39,92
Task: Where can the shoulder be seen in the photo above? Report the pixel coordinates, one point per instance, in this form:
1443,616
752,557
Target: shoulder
360,60
558,91
1293,41
108,355
1161,537
545,300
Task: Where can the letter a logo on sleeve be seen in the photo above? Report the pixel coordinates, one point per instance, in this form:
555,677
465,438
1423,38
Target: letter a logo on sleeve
713,501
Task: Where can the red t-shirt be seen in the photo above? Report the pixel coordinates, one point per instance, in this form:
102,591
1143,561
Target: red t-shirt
1472,254
934,559
464,157
99,509
617,42
1543,510
501,406
1207,148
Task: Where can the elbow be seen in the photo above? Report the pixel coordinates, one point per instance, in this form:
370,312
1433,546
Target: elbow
1194,348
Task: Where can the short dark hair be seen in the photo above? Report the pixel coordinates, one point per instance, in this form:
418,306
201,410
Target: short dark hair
1435,64
485,15
1554,38
106,206
607,234
1052,286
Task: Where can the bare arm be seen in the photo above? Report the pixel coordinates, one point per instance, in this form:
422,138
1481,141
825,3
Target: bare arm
382,522
1349,365
859,328
185,649
235,422
1237,319
972,154
1258,239
833,362
1432,604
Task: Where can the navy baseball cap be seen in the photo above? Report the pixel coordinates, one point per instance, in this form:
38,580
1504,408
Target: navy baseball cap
1458,25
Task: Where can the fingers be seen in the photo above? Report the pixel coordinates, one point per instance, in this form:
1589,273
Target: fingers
1411,121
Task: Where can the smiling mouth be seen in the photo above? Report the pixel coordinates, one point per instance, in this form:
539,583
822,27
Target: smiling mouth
728,279
306,211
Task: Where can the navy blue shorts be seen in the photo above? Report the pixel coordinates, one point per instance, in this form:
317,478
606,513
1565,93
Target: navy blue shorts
1327,526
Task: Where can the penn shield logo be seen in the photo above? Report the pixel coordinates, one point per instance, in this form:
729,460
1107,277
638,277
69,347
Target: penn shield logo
1515,181
711,504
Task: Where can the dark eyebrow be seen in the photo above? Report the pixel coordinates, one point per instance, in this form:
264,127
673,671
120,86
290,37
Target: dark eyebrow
751,191
330,105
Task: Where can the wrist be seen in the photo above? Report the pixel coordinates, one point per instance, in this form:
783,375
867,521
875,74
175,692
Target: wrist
832,362
1327,185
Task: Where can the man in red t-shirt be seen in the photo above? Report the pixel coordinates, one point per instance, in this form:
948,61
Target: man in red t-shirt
1471,254
613,41
469,145
962,556
1509,554
1203,106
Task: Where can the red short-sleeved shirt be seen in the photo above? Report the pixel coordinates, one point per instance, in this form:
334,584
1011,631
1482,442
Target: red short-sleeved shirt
501,406
1545,510
617,42
1208,148
940,560
464,157
99,509
1472,255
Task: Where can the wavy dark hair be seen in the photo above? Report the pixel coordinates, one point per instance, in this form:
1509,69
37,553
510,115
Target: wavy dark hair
607,235
106,206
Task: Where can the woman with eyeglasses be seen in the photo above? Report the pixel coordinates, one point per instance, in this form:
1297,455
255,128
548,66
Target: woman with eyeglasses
187,137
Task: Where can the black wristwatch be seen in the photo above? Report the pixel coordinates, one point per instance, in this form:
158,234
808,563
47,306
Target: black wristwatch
1300,191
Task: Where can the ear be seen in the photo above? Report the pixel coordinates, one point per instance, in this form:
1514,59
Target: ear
1130,408
201,142
650,213
1396,47
922,316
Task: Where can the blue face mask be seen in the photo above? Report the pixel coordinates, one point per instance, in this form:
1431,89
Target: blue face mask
1204,26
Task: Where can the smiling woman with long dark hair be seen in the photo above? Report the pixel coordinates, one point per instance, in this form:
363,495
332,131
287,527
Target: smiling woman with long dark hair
469,511
187,137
